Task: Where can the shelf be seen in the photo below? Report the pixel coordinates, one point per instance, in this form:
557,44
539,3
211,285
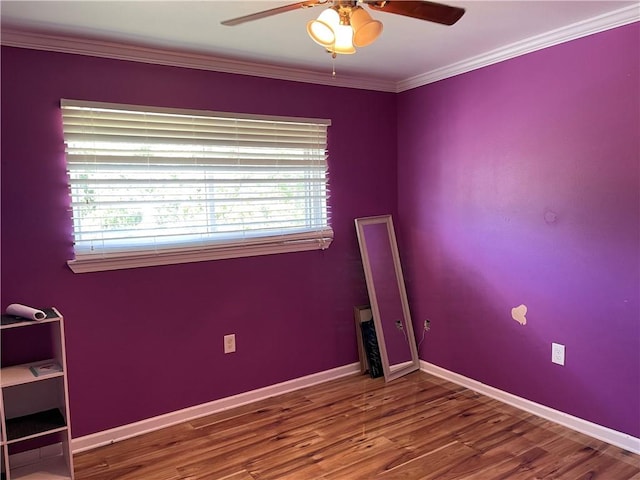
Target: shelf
9,321
28,323
34,425
20,374
54,468
34,409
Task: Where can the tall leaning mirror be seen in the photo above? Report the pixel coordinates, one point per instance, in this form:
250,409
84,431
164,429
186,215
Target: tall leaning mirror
387,295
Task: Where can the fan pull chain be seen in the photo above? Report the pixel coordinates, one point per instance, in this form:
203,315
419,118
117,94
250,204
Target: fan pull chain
333,65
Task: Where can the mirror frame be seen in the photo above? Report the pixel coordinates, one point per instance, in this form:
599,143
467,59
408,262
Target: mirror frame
391,372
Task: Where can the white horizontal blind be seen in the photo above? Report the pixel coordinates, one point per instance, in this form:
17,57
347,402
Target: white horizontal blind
150,181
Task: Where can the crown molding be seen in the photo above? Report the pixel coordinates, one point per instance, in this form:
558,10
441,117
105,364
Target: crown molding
159,56
122,51
617,18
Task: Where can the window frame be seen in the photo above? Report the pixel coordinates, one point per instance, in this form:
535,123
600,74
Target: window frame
316,239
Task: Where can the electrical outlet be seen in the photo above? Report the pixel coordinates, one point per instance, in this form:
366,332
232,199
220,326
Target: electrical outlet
557,353
230,343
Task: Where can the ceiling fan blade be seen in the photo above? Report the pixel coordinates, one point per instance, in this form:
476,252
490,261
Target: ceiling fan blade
272,11
430,11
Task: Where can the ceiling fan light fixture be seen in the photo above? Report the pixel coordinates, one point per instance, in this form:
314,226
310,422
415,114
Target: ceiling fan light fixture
323,29
344,40
365,29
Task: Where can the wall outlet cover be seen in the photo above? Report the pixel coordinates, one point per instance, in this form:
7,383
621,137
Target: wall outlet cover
230,343
557,353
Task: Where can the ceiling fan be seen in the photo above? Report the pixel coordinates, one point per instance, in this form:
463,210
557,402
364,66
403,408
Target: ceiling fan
346,25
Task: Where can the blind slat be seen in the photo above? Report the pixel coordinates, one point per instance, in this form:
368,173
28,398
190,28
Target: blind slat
178,142
79,126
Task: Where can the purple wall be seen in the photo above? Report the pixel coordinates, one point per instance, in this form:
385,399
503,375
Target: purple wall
519,183
147,341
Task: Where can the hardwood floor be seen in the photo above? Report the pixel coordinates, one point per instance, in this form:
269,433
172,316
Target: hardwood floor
416,427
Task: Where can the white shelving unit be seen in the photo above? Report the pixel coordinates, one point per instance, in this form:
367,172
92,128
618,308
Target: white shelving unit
35,431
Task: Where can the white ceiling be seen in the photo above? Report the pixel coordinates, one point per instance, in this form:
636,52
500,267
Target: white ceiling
407,48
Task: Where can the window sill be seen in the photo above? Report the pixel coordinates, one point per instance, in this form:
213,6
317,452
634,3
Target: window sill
97,263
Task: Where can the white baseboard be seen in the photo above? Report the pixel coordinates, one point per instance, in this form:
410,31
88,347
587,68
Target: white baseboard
117,434
619,439
88,442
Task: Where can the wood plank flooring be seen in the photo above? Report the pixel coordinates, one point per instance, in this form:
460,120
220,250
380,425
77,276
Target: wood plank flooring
358,428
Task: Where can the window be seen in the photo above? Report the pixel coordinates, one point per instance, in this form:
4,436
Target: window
152,186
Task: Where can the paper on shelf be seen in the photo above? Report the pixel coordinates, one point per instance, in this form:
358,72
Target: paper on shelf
25,312
45,369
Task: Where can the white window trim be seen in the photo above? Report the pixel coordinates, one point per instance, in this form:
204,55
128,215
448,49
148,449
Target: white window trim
295,242
168,257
